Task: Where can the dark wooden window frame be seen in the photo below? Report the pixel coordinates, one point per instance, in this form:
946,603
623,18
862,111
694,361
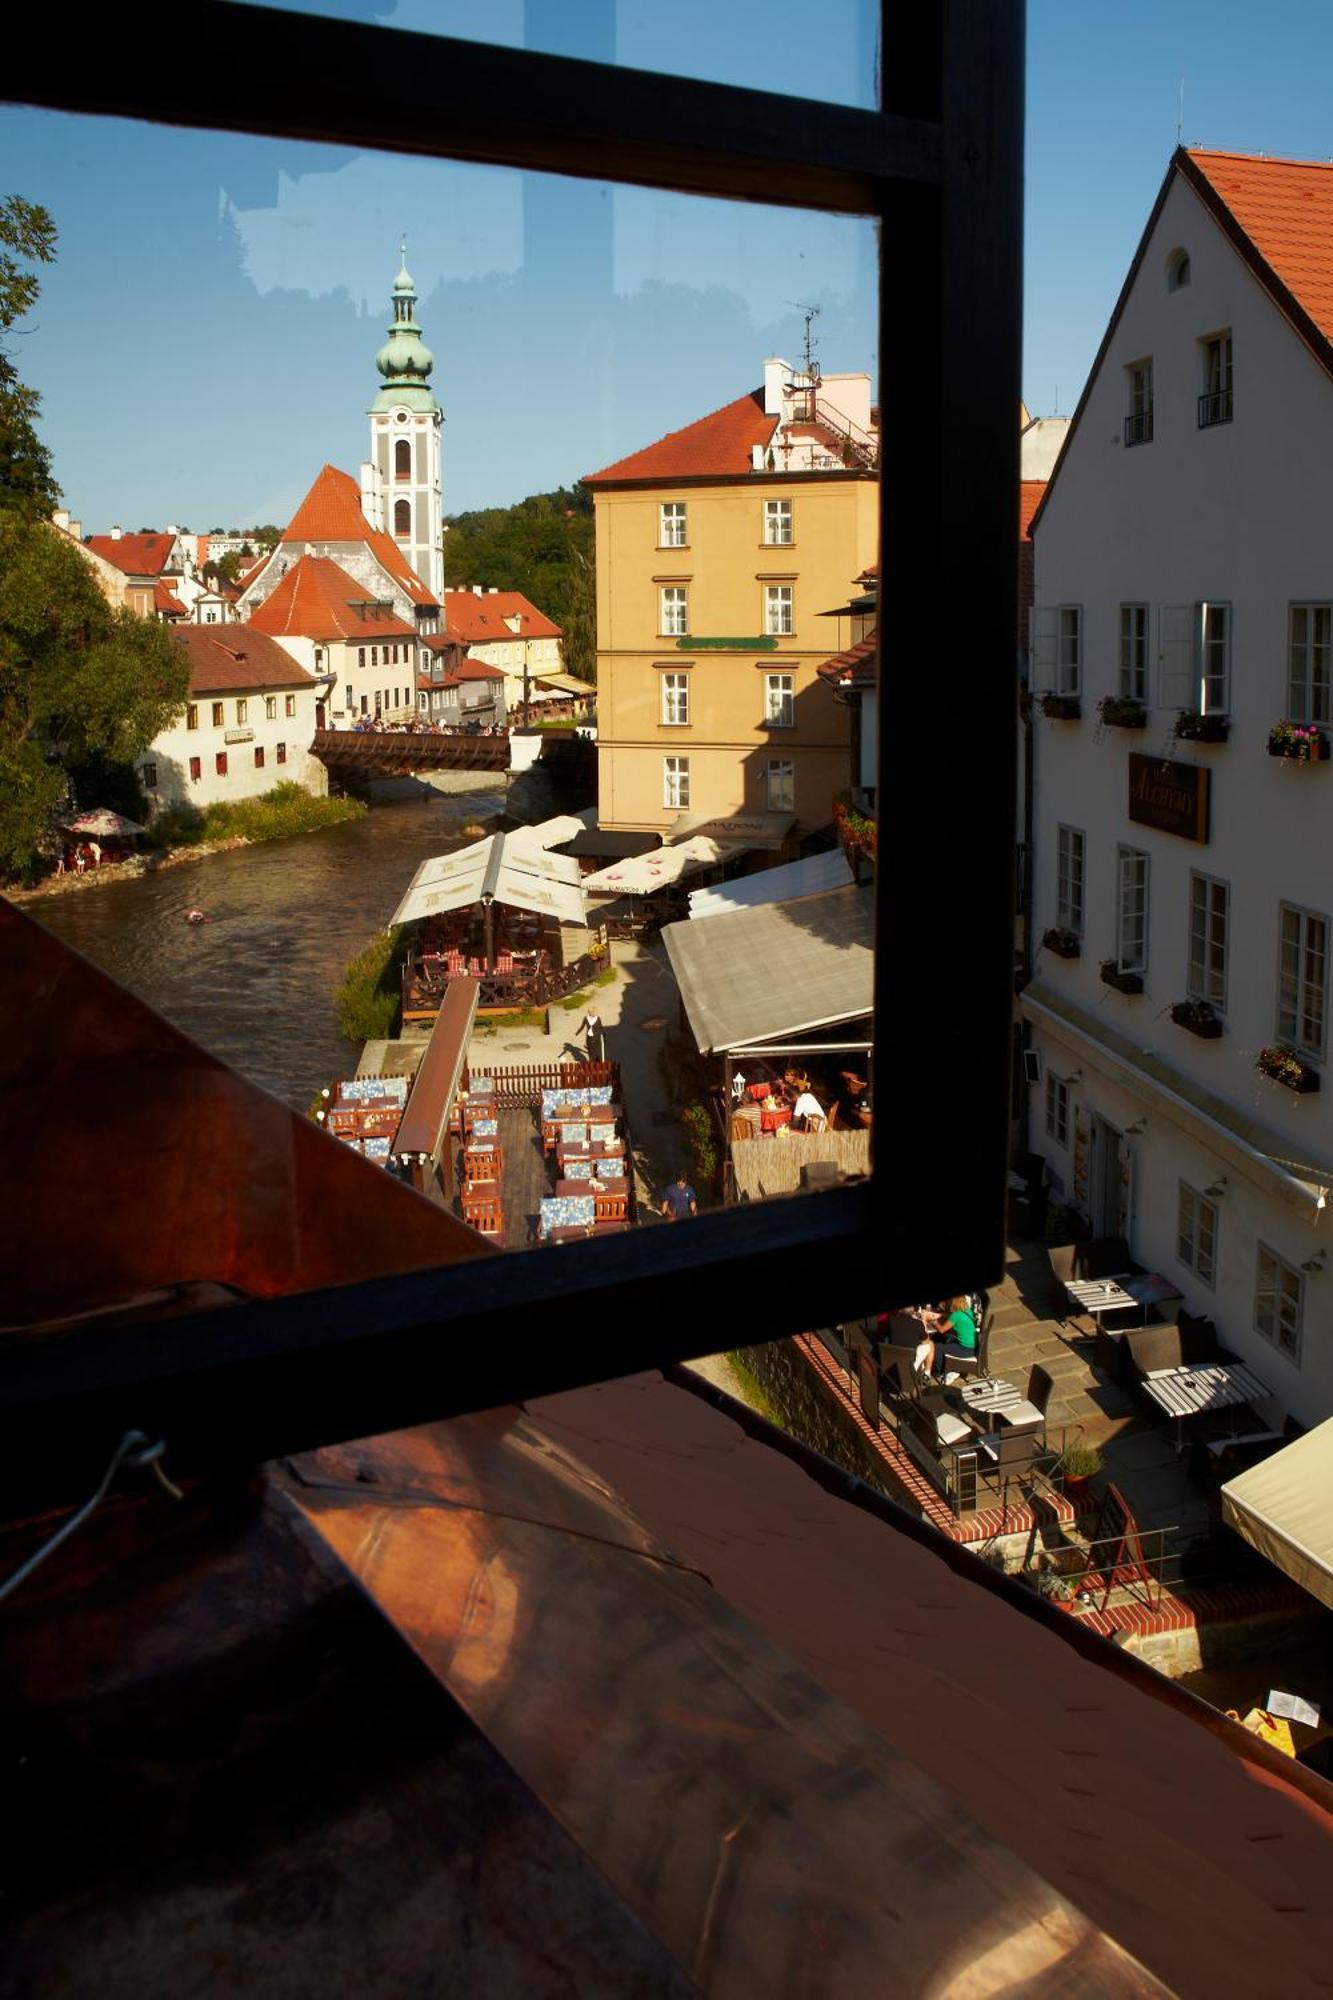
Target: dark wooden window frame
939,168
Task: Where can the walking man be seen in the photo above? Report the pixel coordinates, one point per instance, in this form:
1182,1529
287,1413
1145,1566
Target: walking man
679,1200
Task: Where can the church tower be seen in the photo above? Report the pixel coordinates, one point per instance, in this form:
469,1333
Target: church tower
405,427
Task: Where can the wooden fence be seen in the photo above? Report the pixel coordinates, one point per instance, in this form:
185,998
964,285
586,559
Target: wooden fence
520,1086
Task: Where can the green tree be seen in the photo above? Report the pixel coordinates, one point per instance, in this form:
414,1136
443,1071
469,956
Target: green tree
542,546
27,238
83,688
229,565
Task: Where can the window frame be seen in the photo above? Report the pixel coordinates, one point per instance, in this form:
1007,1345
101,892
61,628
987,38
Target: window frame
1273,1334
786,718
1216,401
676,780
219,715
196,769
774,517
1139,415
1308,1048
673,514
939,165
1057,1108
786,801
1071,908
779,610
1204,1218
1135,684
1302,701
1199,982
673,601
1068,662
674,691
1210,609
192,715
1132,962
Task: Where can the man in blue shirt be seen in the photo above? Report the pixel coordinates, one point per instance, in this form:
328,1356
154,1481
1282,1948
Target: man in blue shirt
679,1200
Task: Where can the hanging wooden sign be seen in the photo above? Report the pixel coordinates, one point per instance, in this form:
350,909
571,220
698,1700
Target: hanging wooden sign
1171,797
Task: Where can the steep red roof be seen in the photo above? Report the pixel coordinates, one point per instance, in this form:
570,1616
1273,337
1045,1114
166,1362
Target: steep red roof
317,599
472,669
136,555
163,601
858,667
331,512
235,656
1029,499
1285,207
716,445
480,621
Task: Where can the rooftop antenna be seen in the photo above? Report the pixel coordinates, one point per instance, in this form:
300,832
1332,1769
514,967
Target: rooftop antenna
1180,116
811,315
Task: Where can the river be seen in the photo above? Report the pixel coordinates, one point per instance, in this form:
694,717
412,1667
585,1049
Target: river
255,983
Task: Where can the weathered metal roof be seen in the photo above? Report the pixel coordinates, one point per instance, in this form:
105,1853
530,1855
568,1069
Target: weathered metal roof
779,970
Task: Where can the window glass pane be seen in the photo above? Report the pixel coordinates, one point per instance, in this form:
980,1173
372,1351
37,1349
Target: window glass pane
716,41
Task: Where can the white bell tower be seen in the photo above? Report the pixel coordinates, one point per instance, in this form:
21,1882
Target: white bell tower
405,439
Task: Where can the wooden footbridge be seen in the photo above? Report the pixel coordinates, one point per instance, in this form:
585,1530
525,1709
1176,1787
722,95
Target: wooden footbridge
396,753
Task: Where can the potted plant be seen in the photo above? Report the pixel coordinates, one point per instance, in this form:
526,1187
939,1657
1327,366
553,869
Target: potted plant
1198,1016
1302,742
1120,711
1082,1463
1061,707
1063,943
1123,982
1193,726
1285,1068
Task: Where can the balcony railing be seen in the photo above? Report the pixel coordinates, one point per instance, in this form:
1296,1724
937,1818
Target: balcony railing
1138,428
1215,408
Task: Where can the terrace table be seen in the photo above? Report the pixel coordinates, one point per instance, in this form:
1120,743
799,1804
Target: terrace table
604,1182
995,1403
1199,1386
1101,1295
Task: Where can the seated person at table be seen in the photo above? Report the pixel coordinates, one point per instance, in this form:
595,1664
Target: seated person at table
955,1334
810,1112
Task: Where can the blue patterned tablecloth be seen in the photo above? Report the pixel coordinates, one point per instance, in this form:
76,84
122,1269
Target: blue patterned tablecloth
568,1211
373,1089
376,1149
574,1100
486,1128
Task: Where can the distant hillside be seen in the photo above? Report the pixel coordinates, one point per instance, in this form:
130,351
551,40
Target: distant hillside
542,546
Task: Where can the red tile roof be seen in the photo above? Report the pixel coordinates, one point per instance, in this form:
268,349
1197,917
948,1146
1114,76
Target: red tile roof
480,621
858,667
720,444
1285,207
164,601
235,656
1029,499
317,599
471,669
331,512
136,555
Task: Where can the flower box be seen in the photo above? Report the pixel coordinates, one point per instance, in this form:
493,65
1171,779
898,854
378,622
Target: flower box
1288,1070
1198,1017
1117,712
1192,727
856,833
1062,707
1123,982
1301,742
1063,943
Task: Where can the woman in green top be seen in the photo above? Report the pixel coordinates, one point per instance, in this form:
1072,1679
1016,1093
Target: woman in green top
956,1334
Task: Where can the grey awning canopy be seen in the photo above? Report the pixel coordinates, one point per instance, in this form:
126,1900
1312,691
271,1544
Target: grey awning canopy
1281,1507
782,969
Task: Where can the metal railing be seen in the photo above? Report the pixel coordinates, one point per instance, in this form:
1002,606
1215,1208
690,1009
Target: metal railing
1214,408
1138,427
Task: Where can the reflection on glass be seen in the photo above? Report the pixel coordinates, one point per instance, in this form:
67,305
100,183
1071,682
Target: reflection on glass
540,515
833,57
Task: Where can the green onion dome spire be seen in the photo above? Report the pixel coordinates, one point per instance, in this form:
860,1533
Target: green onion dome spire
405,361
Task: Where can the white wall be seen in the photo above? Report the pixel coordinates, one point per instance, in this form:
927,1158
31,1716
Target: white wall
173,749
1238,512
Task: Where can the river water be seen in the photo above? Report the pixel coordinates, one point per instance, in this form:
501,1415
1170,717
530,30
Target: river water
255,983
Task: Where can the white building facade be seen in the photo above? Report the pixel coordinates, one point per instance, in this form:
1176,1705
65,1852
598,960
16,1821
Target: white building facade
401,484
246,727
1183,882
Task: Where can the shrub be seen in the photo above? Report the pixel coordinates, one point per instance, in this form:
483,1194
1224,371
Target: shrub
369,991
1082,1461
288,809
701,1145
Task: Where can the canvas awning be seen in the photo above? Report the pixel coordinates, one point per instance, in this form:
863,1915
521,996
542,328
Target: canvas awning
564,684
642,873
782,969
1281,1508
764,831
813,875
519,874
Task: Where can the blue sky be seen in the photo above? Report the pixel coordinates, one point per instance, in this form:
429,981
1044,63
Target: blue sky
205,341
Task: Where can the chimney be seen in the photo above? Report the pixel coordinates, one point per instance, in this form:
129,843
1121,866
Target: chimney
478,590
61,518
494,590
76,529
115,534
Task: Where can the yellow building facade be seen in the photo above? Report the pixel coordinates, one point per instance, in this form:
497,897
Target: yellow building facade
709,594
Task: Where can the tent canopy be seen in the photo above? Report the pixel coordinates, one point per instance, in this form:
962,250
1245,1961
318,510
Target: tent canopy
782,969
502,869
658,869
103,824
1281,1508
811,876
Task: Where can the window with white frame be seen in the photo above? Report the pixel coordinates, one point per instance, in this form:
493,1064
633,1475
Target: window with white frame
1069,879
676,700
777,524
1138,421
1057,1108
1134,652
1279,1302
1131,942
675,612
270,707
781,775
671,525
1215,402
1196,1233
676,782
1302,980
1069,650
1309,631
779,701
1209,905
1214,658
778,620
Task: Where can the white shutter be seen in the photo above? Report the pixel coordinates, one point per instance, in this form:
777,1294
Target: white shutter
1124,1215
1045,639
1175,657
